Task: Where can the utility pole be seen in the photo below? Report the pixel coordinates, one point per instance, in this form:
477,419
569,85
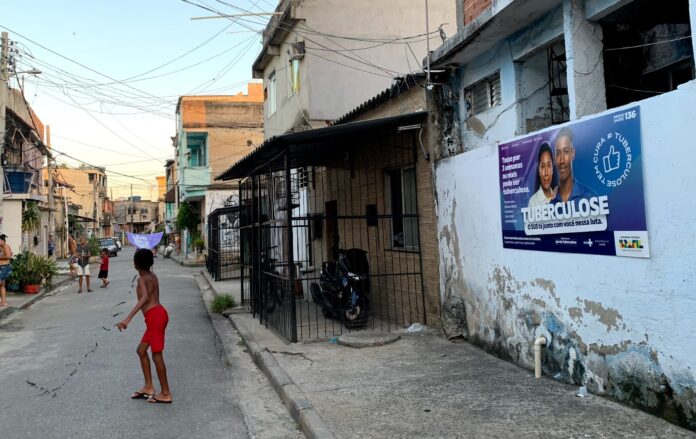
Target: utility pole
427,44
95,217
51,199
4,77
131,209
113,214
67,223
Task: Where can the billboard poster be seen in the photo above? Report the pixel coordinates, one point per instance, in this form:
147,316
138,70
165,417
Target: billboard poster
576,189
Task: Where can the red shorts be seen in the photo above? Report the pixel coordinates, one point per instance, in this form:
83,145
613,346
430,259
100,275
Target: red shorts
156,319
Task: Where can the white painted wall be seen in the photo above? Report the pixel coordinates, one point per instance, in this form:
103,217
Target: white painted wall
12,223
335,81
215,199
632,319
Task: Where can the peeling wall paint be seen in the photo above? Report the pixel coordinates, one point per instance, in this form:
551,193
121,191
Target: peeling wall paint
623,327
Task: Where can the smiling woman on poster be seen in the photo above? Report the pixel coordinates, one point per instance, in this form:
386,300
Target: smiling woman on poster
546,178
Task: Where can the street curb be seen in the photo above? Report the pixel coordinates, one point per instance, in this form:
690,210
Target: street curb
211,283
186,263
7,311
298,405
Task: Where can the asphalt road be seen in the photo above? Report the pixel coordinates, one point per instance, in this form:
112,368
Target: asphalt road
65,372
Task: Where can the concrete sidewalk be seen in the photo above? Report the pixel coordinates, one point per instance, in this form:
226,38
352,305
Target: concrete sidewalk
183,260
19,300
425,386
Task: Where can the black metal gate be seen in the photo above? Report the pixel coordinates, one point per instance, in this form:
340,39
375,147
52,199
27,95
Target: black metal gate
224,257
296,220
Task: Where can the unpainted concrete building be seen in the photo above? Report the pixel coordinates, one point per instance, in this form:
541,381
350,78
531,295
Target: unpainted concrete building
213,132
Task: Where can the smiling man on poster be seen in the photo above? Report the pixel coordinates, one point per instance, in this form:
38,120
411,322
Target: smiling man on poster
569,189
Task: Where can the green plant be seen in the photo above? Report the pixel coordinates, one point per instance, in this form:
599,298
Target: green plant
93,244
31,217
37,270
31,269
187,218
19,264
48,269
75,227
223,302
198,243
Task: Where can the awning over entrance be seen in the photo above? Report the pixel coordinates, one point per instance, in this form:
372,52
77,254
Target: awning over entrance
316,147
170,196
82,219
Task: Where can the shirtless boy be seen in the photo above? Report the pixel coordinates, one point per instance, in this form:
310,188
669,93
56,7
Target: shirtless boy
156,319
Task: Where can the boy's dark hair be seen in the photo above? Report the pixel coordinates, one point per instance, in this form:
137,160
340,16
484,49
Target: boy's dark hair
105,250
143,259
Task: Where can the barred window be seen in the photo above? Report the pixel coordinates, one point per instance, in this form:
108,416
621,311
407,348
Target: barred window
483,95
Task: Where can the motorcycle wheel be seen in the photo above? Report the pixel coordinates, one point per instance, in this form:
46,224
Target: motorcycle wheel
355,318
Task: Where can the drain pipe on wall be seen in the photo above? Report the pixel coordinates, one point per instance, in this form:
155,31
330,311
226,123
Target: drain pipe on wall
538,343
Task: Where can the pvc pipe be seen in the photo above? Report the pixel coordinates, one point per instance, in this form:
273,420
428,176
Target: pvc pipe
538,343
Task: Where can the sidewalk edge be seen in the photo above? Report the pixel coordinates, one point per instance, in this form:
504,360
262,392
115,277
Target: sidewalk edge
301,410
8,311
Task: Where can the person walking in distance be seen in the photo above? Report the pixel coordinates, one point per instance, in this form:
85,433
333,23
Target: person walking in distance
51,246
5,267
156,319
82,255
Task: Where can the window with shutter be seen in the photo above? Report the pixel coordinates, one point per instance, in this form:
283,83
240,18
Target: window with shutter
483,95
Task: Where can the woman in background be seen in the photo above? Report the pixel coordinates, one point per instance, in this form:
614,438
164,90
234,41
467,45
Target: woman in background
5,267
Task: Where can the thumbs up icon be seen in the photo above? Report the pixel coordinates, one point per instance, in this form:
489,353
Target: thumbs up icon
612,160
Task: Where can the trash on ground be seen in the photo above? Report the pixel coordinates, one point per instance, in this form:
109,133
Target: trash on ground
582,392
416,327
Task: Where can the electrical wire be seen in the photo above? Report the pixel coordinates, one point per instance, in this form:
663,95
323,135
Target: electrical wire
648,44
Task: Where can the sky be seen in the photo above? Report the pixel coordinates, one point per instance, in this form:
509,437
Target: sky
112,72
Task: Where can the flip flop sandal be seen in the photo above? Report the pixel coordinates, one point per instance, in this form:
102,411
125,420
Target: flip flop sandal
153,400
141,395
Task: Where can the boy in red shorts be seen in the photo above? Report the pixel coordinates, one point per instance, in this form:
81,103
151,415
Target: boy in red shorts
156,319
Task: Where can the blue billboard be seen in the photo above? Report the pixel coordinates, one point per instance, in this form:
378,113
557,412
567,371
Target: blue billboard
576,189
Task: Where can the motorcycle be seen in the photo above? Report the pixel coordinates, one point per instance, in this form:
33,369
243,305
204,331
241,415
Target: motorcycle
167,253
344,287
271,291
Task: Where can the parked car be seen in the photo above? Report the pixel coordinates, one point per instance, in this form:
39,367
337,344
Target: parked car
110,245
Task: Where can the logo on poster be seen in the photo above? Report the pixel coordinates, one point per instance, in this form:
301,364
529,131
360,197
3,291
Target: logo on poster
612,159
630,243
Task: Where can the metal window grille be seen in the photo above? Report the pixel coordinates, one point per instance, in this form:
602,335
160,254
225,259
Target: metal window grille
285,242
484,94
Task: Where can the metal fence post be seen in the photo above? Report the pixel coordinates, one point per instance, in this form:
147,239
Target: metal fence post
289,248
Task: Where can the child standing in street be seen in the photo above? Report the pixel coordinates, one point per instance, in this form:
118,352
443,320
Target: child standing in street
104,268
156,319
